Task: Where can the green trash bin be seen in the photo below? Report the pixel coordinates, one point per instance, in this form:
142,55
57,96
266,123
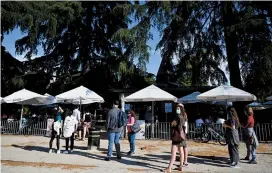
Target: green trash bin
93,138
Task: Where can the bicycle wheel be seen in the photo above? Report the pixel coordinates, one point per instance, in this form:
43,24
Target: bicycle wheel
205,137
222,140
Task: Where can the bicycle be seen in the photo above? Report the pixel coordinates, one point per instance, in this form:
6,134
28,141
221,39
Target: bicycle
212,134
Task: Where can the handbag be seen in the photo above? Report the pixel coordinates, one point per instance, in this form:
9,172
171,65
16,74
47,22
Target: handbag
178,134
251,140
135,128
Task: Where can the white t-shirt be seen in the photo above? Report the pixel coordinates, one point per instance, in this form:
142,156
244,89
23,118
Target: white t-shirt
69,126
199,122
76,114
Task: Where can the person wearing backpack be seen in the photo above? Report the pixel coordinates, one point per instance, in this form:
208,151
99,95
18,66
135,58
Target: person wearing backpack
131,134
115,121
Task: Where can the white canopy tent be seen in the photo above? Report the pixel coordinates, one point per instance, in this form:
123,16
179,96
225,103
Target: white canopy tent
269,98
25,97
2,100
151,93
227,94
49,100
191,98
78,96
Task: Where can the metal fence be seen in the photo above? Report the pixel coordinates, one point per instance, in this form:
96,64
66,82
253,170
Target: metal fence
160,131
13,127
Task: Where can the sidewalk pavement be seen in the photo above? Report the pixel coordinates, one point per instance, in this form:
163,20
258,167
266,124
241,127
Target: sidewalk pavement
30,154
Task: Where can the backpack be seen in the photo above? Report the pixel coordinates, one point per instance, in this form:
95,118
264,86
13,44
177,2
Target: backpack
122,119
135,128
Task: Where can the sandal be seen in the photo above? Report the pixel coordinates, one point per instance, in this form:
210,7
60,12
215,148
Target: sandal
180,168
167,170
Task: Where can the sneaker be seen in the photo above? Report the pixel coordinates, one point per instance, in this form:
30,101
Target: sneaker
252,162
50,151
58,152
234,165
107,158
246,158
185,165
119,157
71,151
65,152
129,153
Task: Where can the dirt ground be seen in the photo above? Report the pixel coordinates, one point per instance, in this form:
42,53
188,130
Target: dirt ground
30,154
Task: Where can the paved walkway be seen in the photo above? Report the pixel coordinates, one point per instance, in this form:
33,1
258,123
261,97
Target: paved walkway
27,154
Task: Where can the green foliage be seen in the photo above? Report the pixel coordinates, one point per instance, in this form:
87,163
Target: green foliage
91,41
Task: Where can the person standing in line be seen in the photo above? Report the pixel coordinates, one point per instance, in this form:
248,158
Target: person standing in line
185,147
177,144
131,135
56,130
69,128
250,136
113,131
87,119
232,137
76,115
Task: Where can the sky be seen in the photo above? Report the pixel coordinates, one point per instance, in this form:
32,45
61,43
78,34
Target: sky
152,65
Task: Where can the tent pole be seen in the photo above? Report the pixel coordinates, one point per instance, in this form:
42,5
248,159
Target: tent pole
227,109
153,123
80,106
21,118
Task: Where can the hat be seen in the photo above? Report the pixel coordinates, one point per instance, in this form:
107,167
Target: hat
181,105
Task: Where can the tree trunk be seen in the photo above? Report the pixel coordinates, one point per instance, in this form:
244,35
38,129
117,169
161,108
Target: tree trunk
231,40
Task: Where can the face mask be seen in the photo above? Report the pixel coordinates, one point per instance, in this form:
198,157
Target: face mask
178,111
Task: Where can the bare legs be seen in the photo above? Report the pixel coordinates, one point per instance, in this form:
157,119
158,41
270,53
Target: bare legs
185,149
79,134
173,157
85,128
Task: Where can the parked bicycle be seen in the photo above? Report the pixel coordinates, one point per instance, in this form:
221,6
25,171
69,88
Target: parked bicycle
210,134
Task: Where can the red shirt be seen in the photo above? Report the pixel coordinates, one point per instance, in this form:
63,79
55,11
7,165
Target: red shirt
250,122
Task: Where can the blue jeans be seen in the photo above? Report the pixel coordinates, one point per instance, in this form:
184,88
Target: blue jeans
113,137
131,139
251,148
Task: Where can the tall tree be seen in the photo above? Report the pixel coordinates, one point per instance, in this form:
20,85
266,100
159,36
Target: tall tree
83,42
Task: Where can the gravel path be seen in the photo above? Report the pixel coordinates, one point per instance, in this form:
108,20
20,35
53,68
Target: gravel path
27,154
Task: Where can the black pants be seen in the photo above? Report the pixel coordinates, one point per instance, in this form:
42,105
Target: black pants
72,142
54,134
233,152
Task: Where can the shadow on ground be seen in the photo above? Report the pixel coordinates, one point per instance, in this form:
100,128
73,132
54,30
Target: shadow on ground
133,160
